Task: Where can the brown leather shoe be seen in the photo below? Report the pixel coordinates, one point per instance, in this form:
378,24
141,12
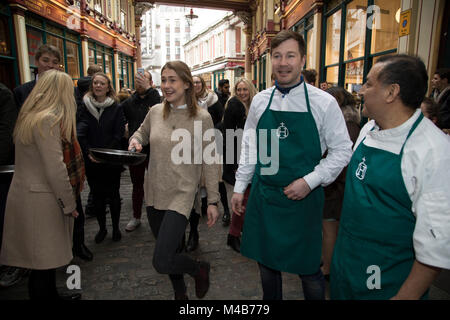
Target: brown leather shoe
202,280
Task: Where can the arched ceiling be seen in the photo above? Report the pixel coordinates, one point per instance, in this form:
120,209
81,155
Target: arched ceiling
233,5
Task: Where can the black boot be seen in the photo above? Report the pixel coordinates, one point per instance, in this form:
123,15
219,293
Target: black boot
234,243
192,241
82,252
223,198
115,217
99,205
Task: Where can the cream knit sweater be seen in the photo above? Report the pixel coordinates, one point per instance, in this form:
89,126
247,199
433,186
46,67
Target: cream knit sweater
170,186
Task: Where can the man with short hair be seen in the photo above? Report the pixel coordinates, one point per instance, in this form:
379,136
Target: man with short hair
84,82
441,83
394,229
310,76
47,57
223,91
135,109
283,216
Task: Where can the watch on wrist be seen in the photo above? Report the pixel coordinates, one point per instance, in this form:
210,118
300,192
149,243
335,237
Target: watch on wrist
213,204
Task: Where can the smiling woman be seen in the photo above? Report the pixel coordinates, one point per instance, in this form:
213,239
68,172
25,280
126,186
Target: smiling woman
171,187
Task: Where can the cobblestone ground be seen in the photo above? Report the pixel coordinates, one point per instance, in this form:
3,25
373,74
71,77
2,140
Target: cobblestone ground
123,270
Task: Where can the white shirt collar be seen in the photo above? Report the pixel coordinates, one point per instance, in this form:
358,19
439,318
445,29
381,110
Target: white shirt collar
397,131
184,106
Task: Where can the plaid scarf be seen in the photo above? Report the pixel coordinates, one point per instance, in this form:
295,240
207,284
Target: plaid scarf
73,158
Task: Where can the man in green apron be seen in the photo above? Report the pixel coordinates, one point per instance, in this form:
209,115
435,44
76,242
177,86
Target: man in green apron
294,124
395,225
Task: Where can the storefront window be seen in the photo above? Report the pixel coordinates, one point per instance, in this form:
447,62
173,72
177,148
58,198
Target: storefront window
5,45
355,30
100,59
385,25
354,76
34,40
333,75
68,44
333,38
310,49
91,57
73,67
371,30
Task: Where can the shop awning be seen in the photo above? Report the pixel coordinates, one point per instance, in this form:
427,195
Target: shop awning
209,69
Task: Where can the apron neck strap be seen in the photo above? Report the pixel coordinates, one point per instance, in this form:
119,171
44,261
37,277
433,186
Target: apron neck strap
306,96
414,126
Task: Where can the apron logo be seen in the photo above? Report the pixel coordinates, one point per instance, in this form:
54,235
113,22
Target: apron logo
282,131
362,168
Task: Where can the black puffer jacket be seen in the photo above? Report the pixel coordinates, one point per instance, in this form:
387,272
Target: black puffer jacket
107,132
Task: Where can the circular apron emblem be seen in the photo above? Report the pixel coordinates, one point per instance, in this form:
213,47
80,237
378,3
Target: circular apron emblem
282,131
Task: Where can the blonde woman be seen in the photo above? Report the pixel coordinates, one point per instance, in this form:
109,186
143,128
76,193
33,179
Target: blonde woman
102,125
49,175
171,186
234,118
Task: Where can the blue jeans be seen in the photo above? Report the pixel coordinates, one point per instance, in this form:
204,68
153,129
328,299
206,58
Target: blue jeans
313,285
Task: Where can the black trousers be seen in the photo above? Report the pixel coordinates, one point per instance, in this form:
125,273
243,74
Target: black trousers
104,181
168,227
42,285
78,226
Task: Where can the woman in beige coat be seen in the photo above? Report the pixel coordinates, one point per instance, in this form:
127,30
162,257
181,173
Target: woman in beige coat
49,171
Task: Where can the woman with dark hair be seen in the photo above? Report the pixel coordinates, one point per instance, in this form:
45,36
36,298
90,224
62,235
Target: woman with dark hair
334,193
102,125
172,183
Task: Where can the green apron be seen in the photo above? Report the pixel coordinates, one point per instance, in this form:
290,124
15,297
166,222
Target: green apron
376,227
280,233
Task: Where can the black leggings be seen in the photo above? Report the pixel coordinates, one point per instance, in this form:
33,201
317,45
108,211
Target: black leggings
42,285
168,227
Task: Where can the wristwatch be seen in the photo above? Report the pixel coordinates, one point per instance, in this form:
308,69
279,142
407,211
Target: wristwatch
213,204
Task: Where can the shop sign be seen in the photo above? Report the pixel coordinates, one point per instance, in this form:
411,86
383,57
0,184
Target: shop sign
405,23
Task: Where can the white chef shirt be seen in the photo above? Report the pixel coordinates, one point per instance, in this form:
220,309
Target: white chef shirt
330,125
426,173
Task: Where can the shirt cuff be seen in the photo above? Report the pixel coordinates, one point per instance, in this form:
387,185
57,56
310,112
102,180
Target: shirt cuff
313,180
240,186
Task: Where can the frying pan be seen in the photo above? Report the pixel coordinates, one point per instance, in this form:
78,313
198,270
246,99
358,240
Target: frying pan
118,157
6,170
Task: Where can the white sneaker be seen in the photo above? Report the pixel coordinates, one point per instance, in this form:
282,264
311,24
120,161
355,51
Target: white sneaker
133,224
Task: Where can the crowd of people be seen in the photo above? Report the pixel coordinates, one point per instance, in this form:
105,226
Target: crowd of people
346,197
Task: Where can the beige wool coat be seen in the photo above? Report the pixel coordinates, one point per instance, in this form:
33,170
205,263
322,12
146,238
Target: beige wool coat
38,227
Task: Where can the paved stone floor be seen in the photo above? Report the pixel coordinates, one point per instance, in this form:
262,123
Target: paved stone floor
123,270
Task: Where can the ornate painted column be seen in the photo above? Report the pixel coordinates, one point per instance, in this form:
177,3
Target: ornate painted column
246,17
18,9
139,10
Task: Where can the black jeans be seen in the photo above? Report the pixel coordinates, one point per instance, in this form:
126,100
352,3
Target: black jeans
313,285
169,227
78,226
42,285
104,181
